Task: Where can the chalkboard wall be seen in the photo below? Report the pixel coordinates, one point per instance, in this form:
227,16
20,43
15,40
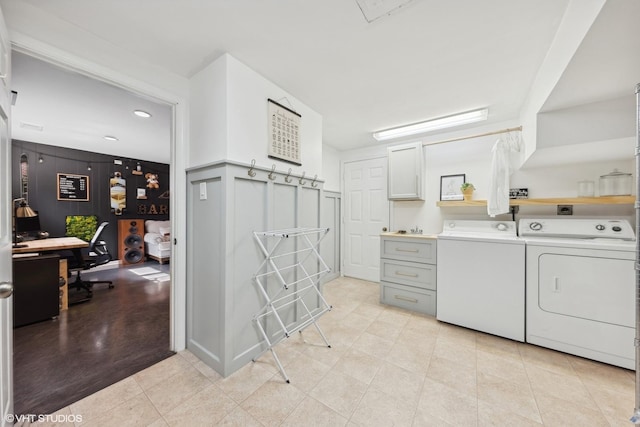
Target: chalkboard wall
43,191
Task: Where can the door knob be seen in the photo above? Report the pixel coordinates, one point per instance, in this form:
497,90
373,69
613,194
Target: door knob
384,228
6,289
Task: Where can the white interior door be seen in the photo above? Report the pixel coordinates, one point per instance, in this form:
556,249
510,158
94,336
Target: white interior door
6,301
366,215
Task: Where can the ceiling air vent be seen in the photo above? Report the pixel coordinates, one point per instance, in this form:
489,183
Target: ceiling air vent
374,9
31,126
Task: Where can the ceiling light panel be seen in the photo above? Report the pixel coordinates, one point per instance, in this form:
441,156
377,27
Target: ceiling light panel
434,124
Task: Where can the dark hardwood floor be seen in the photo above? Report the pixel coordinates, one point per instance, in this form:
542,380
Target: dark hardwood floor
92,345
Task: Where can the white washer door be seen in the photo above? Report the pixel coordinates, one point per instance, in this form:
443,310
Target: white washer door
593,288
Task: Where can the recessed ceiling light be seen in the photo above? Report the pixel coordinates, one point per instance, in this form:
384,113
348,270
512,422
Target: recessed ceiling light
434,124
110,138
141,113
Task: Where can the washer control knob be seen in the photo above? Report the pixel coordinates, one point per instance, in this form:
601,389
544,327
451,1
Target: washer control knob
600,227
616,228
501,227
535,226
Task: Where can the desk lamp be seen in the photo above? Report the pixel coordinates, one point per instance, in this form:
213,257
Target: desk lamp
22,211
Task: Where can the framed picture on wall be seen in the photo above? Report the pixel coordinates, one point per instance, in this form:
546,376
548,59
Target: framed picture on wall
284,133
73,187
450,187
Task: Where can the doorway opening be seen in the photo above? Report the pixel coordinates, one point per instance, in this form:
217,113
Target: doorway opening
122,330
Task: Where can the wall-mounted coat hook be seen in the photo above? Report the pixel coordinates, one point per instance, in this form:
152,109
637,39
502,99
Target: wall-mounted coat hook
302,182
272,176
251,172
314,183
288,177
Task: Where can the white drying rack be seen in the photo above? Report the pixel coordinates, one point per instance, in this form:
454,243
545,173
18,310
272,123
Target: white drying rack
292,291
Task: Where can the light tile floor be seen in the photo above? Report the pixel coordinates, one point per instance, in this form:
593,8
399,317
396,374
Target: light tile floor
386,367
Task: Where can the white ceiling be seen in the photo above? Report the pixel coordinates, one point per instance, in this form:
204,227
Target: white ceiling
75,111
430,58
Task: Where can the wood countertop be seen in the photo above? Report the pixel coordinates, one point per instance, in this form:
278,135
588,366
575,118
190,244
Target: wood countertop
50,244
409,235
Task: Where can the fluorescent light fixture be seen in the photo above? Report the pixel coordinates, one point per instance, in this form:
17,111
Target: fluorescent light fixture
435,124
141,113
110,138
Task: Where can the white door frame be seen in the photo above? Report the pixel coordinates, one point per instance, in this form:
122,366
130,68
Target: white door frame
6,208
179,140
6,268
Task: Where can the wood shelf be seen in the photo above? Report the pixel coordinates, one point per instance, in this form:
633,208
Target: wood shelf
606,200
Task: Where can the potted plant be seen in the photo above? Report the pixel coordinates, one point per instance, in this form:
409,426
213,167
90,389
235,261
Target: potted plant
467,190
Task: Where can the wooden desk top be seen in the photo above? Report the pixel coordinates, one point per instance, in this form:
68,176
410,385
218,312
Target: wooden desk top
51,244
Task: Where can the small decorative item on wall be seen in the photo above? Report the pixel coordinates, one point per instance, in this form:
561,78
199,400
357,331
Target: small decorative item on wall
450,187
137,170
118,193
73,187
142,194
284,133
152,181
24,176
518,193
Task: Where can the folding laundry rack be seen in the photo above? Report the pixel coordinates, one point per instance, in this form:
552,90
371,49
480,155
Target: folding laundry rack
280,263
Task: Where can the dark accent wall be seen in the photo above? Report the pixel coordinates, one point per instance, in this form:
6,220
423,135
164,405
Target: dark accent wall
43,196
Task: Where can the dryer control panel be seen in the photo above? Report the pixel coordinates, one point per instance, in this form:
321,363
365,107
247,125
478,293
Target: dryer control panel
577,228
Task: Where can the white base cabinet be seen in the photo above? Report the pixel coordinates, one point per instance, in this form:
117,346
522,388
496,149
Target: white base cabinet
408,272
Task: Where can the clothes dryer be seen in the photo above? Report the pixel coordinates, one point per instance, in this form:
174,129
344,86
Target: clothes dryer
580,281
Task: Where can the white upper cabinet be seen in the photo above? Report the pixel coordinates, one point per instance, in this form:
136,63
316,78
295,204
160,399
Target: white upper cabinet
406,172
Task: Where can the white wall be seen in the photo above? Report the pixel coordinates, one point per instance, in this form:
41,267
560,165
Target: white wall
330,168
576,22
597,121
208,127
229,119
472,157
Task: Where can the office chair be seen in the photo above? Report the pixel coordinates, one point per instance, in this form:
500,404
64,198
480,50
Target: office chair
98,255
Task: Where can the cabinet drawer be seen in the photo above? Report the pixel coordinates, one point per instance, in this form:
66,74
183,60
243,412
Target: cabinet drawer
420,300
423,251
408,273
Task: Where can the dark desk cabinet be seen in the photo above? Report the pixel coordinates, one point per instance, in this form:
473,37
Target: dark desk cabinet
36,292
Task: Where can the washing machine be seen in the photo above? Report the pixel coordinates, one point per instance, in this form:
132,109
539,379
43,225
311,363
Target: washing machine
580,281
481,274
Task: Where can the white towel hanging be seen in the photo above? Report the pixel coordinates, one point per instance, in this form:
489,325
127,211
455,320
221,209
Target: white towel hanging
498,200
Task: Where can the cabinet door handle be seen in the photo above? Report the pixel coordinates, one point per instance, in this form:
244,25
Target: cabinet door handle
401,298
407,250
400,273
